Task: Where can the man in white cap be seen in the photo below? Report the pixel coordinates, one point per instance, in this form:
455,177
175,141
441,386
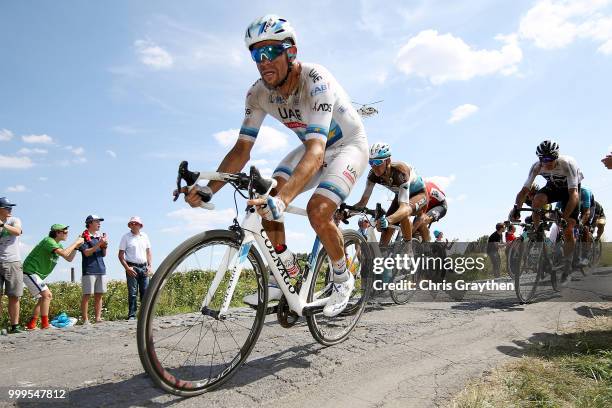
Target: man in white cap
135,256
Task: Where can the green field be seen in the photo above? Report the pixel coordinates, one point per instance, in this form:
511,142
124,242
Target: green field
182,293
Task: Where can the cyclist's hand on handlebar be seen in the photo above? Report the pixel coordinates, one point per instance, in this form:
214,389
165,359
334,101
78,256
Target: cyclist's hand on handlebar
382,223
197,195
270,208
515,214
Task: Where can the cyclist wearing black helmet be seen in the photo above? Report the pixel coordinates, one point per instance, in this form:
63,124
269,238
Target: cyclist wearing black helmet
563,178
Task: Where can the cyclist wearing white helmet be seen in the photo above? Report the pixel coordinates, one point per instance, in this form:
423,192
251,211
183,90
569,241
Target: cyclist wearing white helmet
403,180
563,178
332,155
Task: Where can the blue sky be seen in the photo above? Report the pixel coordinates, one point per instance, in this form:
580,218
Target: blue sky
100,102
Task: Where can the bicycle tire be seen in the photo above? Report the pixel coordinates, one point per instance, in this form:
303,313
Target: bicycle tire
356,307
528,263
161,376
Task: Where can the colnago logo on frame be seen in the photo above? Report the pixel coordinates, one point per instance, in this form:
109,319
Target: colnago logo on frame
278,262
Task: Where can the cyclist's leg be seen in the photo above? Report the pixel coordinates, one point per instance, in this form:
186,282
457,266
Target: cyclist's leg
417,201
601,225
545,195
343,166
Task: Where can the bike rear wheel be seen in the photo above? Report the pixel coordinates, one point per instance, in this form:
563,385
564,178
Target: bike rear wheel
333,330
526,278
185,349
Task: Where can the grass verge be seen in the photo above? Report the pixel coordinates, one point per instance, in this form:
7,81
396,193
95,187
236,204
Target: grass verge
571,369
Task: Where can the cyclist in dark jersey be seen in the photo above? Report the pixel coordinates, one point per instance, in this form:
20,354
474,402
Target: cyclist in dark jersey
435,210
403,180
563,178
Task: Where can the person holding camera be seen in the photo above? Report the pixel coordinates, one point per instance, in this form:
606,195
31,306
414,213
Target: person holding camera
93,281
39,264
11,272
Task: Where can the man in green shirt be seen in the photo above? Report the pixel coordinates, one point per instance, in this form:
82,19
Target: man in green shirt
40,263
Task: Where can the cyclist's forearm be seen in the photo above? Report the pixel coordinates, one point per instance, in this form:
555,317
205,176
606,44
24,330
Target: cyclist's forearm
233,162
307,167
520,197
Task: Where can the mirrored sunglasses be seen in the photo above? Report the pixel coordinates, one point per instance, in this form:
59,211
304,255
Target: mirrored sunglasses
269,52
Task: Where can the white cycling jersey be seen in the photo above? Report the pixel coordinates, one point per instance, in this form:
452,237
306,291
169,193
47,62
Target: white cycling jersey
319,109
565,174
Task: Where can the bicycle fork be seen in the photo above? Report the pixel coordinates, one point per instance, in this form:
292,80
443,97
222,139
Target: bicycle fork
230,256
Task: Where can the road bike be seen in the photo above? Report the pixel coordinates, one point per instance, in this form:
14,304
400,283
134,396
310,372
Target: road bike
534,256
193,337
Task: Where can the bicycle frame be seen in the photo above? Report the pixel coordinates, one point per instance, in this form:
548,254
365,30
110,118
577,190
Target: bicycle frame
254,234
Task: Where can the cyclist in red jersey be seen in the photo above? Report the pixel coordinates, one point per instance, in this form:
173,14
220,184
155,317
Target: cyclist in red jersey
435,210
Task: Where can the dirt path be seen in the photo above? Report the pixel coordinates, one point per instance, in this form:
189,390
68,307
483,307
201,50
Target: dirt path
417,355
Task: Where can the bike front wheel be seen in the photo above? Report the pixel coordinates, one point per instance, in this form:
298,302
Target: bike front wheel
188,349
333,330
527,276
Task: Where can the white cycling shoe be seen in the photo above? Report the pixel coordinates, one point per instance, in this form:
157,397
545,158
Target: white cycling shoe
341,293
274,293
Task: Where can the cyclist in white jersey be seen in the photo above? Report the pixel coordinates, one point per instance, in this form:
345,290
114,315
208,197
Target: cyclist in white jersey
332,155
563,178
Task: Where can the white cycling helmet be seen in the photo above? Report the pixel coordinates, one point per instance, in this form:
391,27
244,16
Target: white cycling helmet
380,150
269,27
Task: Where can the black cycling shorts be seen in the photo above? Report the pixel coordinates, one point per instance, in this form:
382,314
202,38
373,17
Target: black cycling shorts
555,194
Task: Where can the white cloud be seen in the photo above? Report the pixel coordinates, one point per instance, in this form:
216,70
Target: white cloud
111,154
554,24
40,139
19,188
153,55
442,58
197,219
268,139
76,150
26,151
5,135
12,162
442,181
461,112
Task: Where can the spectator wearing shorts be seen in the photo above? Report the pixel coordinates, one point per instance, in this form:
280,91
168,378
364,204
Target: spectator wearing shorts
135,256
11,272
93,281
39,264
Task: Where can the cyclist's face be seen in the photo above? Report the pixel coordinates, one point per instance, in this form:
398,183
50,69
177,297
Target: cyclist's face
548,165
380,169
272,71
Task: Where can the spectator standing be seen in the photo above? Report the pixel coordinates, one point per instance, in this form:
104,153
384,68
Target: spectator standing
39,264
495,242
93,282
11,272
363,225
510,236
135,256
